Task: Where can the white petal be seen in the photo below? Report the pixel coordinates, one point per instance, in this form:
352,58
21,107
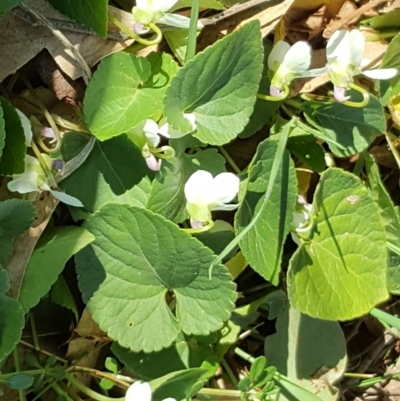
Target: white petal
277,54
225,188
314,72
199,187
67,199
226,208
357,44
163,5
298,57
176,20
169,399
150,126
138,391
192,119
144,5
338,47
26,125
24,183
381,73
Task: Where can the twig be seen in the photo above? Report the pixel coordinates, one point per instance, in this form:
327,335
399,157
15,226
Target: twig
86,73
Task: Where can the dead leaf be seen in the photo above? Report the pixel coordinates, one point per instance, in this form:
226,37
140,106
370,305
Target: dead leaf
25,243
20,42
269,16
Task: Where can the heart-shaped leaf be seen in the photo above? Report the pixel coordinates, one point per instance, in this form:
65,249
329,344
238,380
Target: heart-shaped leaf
147,262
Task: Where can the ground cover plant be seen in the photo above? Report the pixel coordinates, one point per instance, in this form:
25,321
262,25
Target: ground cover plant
199,200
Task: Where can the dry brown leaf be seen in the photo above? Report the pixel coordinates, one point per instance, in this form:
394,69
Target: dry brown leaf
25,243
269,16
20,42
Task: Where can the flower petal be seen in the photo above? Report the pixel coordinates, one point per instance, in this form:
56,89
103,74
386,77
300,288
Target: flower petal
225,188
150,129
339,93
169,399
357,44
177,20
67,199
24,183
192,119
153,163
381,73
144,5
168,132
138,391
198,188
338,47
298,57
226,208
26,125
277,54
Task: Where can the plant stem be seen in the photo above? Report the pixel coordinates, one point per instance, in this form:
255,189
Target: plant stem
387,318
244,355
56,387
229,159
192,32
229,372
221,392
21,393
35,337
86,390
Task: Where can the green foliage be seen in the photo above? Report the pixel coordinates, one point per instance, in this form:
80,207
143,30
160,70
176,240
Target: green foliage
262,246
13,155
48,261
144,262
114,172
126,90
353,128
7,5
91,13
15,217
344,254
218,86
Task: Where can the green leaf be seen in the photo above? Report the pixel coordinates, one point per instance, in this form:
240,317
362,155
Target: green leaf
344,255
310,352
126,90
213,4
388,213
390,19
353,128
48,261
393,273
177,40
308,151
146,259
61,295
391,58
91,13
20,381
12,319
167,196
7,5
186,352
218,86
262,246
177,385
111,365
13,157
263,110
115,171
16,216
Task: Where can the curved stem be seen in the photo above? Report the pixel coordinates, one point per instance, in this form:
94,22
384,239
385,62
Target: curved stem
208,226
43,164
364,94
164,152
311,97
282,96
133,35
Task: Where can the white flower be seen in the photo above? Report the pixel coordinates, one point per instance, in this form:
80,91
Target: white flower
33,179
344,53
288,63
301,217
204,193
141,391
155,11
152,131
